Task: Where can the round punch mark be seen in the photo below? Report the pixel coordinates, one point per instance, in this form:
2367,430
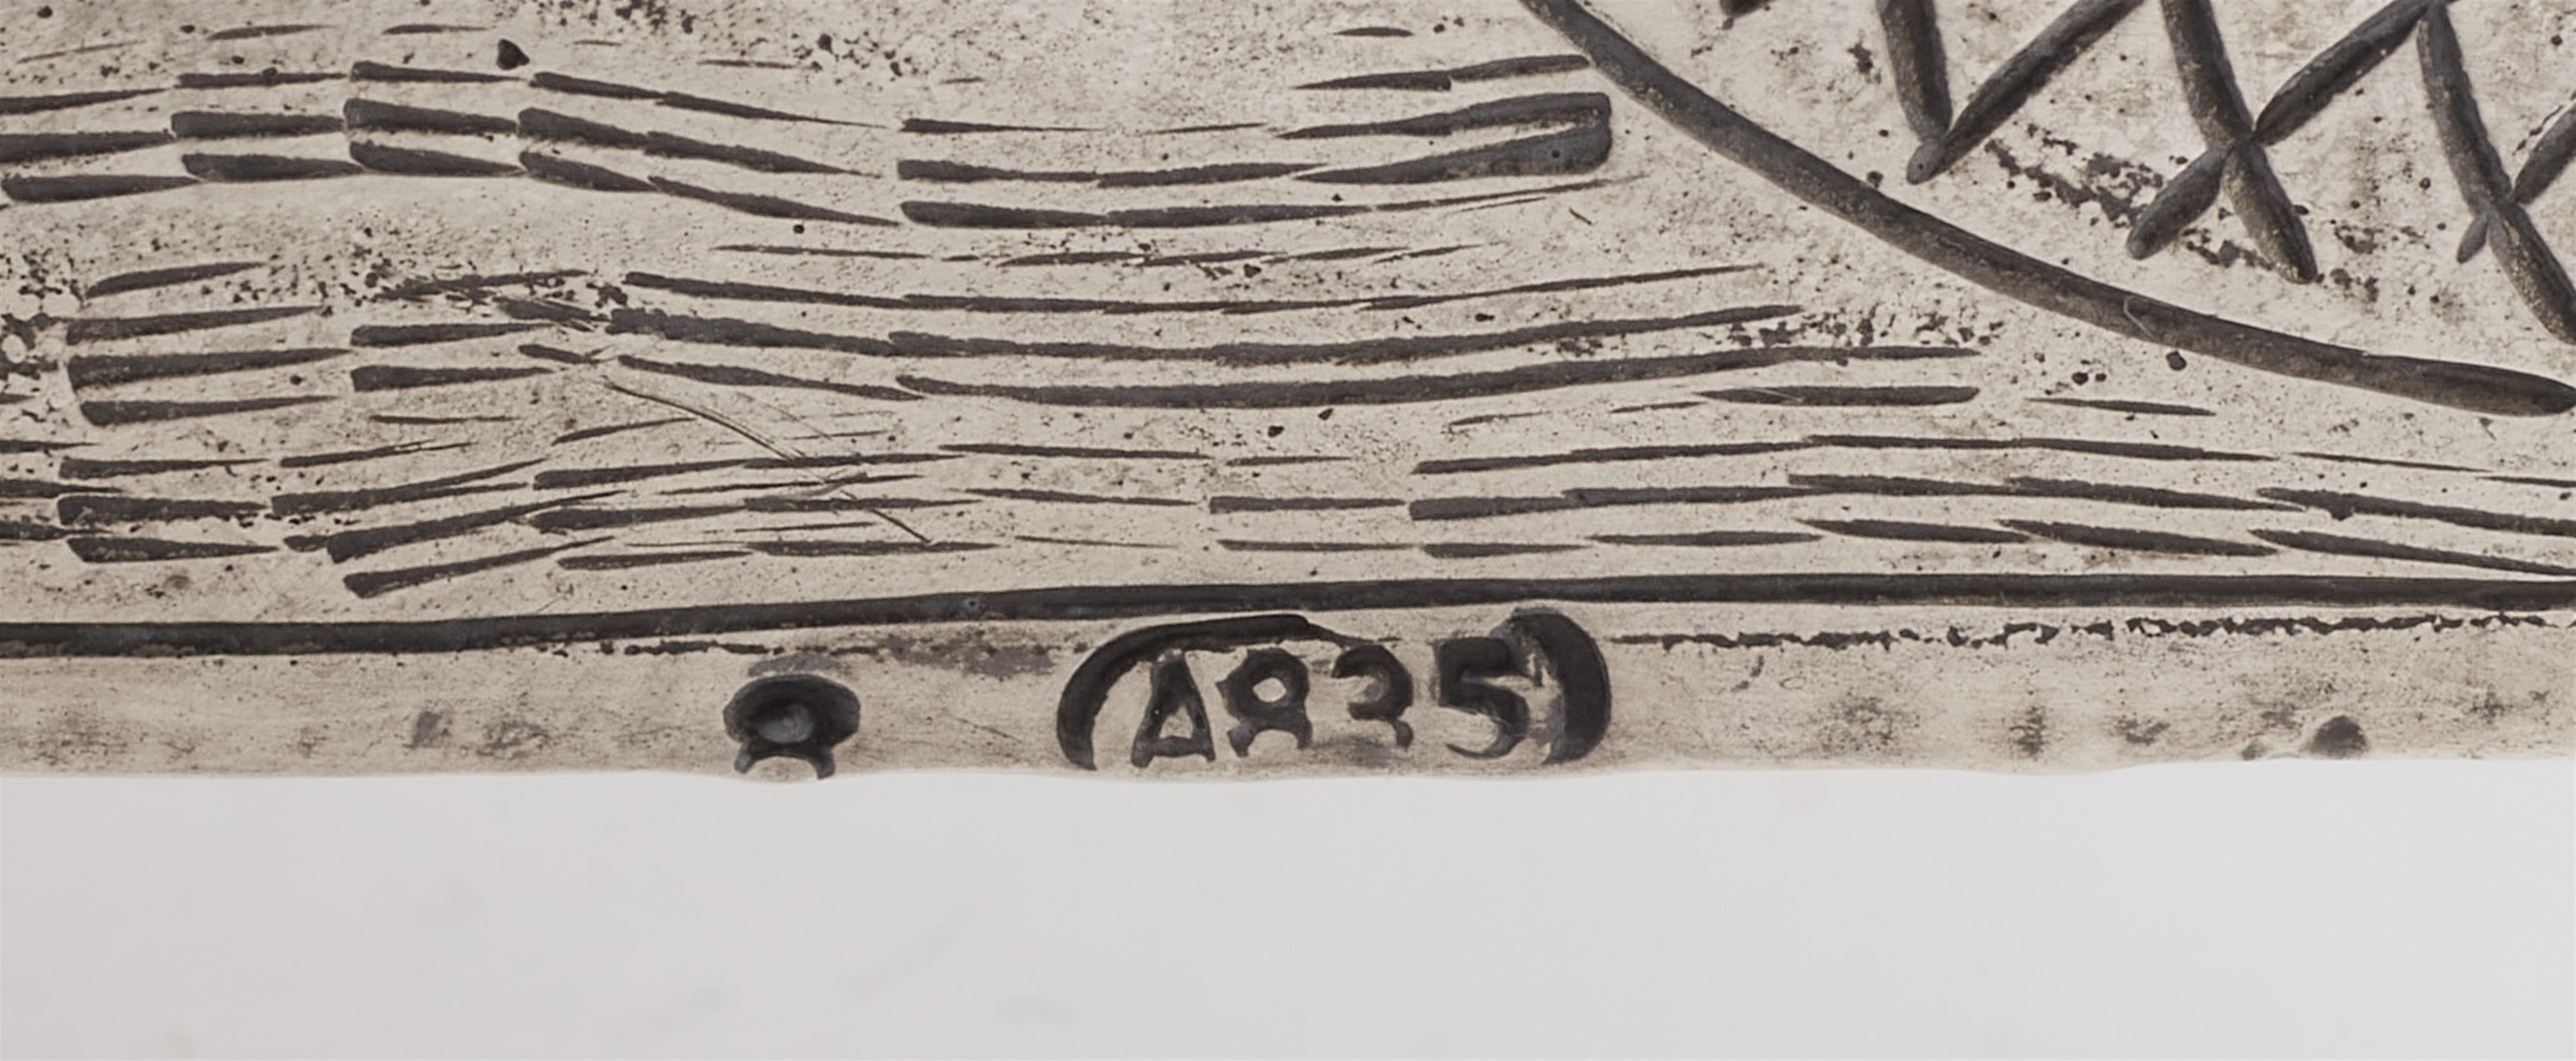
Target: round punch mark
799,716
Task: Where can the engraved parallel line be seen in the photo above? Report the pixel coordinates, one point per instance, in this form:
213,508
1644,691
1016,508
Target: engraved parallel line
1403,389
1136,601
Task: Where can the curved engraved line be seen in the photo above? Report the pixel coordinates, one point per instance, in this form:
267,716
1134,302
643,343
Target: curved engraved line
1100,603
2478,388
1077,712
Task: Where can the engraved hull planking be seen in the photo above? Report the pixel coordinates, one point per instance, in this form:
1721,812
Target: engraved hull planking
596,356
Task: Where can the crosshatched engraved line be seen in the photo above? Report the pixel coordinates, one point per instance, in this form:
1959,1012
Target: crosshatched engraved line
1102,603
2209,85
2549,158
2235,158
2021,76
2478,388
2479,171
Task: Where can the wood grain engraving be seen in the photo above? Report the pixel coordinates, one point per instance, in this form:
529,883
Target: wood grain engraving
1147,390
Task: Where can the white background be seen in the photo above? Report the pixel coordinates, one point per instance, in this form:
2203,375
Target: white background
2281,908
